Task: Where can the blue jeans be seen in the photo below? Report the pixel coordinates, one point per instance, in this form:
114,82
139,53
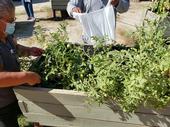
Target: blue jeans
28,8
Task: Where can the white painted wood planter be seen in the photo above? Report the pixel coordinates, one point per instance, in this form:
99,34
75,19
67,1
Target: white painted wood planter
151,16
66,108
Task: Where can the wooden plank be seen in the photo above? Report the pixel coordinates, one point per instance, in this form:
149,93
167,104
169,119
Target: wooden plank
59,3
23,106
150,15
77,122
69,97
167,31
51,96
96,113
59,7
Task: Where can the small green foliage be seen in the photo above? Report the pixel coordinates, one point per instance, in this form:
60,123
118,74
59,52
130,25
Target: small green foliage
129,76
23,123
161,6
62,63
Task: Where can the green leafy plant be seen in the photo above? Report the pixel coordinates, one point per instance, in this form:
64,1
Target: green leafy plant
135,76
161,6
62,63
128,76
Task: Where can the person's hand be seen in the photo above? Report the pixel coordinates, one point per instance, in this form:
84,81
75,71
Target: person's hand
32,78
34,51
114,2
76,9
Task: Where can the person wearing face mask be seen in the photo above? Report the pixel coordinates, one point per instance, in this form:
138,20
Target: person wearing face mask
10,74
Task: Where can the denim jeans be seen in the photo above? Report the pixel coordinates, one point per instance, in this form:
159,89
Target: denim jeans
28,8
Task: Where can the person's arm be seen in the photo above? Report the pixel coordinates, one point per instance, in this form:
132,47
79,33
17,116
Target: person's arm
74,6
121,5
11,79
28,51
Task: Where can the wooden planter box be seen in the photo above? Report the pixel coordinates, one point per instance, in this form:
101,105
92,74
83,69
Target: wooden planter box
60,5
151,16
66,108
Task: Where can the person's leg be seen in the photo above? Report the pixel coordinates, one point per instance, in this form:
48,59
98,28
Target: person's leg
8,115
9,121
30,8
26,8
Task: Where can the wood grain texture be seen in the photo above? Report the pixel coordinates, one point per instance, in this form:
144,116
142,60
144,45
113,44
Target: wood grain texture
59,4
71,106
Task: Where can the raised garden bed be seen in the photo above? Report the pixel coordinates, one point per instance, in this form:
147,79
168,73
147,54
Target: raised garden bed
130,77
66,108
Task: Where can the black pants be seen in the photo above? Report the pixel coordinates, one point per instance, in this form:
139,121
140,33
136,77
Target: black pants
8,115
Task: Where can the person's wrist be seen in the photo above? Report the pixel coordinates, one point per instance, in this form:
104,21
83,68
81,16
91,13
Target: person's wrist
24,76
28,76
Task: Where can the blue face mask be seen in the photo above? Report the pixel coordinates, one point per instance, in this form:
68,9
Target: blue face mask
10,28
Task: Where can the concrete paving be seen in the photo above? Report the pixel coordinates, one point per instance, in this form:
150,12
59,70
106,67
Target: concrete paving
126,22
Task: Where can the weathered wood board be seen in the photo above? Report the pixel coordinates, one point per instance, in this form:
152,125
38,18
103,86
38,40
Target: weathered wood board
66,108
59,5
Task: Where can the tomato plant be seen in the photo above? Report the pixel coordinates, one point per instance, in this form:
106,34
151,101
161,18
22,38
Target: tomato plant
128,76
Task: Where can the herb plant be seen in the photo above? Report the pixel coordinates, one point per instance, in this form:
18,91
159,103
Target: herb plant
128,76
135,76
161,6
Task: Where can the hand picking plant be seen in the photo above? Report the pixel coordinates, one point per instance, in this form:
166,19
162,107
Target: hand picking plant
62,63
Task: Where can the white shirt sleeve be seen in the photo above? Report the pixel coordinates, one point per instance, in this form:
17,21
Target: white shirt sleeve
73,3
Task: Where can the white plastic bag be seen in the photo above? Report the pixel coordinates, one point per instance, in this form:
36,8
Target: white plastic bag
100,23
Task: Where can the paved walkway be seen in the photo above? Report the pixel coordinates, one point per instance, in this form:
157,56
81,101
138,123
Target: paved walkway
126,22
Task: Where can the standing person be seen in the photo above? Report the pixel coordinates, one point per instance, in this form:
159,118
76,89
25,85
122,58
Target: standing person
10,74
29,9
86,6
95,26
